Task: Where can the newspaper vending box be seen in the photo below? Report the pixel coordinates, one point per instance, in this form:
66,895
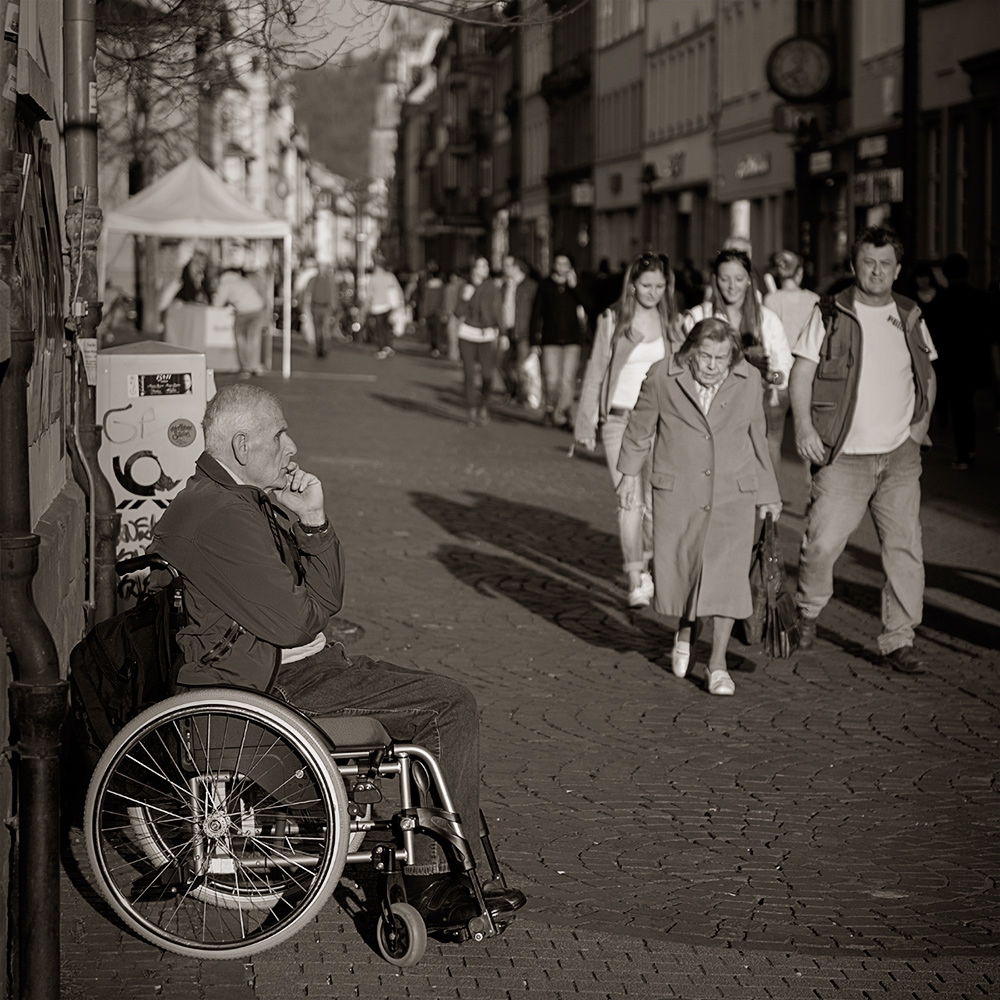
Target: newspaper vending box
150,401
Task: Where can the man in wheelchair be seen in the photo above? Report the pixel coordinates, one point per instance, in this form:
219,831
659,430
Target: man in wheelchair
263,575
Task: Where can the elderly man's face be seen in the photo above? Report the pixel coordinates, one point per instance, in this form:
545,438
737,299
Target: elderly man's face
269,450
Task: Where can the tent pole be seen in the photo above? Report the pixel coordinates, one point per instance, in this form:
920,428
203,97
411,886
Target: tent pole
286,310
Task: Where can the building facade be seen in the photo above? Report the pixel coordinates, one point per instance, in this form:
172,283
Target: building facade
674,124
678,161
960,101
618,100
569,92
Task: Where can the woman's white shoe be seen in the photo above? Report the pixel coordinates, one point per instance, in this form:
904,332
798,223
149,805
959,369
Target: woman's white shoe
680,658
643,594
719,682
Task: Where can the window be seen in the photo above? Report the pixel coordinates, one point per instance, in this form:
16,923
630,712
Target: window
961,181
933,191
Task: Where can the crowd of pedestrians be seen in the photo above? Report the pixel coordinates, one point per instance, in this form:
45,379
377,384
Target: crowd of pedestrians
688,381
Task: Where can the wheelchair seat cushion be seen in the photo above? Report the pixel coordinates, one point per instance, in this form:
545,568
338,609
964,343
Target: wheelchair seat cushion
353,731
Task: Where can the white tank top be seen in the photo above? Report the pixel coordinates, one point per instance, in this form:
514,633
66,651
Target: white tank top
644,355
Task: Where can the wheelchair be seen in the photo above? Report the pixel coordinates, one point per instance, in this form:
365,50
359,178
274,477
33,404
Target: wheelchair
219,821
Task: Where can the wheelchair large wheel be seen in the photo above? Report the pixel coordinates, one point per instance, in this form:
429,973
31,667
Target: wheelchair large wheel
217,823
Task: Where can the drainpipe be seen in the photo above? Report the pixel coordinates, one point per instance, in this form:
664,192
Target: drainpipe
38,695
83,227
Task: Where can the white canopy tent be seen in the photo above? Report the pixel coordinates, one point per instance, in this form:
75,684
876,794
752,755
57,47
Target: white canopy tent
192,201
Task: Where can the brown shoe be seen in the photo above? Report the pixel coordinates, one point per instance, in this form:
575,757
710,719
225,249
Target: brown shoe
906,660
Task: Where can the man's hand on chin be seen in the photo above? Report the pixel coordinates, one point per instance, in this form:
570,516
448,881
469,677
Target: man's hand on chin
302,494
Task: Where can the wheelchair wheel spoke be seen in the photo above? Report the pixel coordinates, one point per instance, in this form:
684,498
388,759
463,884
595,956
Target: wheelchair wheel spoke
216,825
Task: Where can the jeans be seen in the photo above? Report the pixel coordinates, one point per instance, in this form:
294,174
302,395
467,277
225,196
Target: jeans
635,526
776,404
560,363
509,366
483,354
248,330
889,486
414,707
381,330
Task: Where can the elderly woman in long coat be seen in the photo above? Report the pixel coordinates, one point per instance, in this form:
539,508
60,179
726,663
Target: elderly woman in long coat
702,411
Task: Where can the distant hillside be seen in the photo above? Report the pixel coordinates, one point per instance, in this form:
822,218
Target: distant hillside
336,105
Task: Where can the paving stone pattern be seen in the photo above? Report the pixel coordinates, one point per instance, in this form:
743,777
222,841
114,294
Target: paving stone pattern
830,831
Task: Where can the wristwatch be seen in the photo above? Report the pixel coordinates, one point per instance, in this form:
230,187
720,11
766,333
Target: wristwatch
315,529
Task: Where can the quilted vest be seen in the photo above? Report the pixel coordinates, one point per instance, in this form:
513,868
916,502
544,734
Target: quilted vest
835,384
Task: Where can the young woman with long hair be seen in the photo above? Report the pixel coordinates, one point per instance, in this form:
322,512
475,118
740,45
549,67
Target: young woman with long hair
479,313
642,329
732,298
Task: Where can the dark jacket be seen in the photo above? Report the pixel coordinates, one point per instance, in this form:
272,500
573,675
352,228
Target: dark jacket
483,309
554,319
835,384
244,559
524,301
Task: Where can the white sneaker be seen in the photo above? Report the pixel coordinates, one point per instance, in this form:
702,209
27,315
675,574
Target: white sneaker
640,597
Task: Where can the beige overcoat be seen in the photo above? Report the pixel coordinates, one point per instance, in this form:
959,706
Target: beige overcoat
709,474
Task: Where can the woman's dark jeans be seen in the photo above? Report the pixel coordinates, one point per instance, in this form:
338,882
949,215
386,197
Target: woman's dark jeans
483,354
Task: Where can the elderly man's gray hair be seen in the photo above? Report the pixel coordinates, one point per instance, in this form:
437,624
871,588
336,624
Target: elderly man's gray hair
232,409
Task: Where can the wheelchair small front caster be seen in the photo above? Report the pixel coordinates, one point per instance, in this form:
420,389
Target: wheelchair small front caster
403,944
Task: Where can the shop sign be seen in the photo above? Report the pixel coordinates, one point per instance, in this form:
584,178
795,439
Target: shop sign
873,187
675,164
872,147
582,194
792,117
753,165
820,162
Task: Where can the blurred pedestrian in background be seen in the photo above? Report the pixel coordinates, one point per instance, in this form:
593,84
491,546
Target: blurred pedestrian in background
558,320
960,324
793,305
196,279
519,290
702,413
431,308
642,329
731,297
235,289
322,299
862,392
450,299
479,320
384,297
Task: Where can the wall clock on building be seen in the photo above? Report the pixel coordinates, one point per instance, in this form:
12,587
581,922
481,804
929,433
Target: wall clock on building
799,68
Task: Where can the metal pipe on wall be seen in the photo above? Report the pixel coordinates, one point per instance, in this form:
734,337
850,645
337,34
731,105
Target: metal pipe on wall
38,696
83,228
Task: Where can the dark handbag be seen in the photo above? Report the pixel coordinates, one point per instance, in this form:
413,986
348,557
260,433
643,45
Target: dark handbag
774,619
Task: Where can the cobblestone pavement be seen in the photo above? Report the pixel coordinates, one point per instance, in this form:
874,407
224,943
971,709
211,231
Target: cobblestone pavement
831,831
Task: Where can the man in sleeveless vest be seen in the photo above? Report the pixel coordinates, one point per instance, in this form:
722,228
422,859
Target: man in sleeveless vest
862,389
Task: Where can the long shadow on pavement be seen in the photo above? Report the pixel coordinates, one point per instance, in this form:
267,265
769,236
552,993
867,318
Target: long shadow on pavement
558,568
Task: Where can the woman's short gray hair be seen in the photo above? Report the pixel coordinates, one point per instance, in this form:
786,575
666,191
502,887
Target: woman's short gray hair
714,329
232,409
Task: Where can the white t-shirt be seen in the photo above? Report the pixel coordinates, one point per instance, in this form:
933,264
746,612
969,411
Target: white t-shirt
642,357
886,394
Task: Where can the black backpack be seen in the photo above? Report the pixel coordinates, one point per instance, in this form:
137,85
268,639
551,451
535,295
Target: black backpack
121,666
